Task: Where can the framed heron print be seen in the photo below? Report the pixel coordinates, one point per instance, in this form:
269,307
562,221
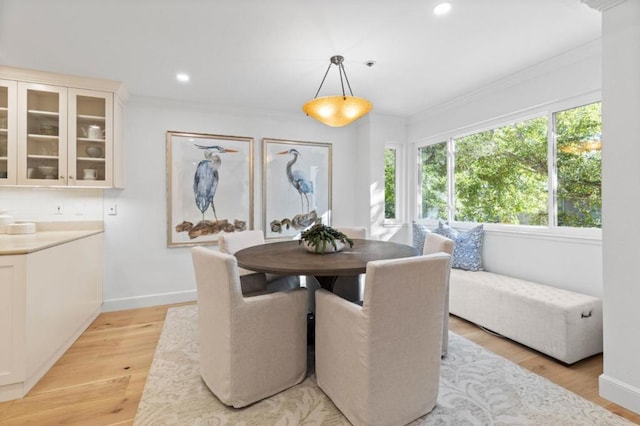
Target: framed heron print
296,186
209,187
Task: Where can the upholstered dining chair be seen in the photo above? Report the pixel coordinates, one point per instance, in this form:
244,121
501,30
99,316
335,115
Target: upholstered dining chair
380,362
435,243
254,283
348,287
250,348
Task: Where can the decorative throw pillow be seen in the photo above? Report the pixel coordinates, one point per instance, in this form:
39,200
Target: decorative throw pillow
467,253
419,233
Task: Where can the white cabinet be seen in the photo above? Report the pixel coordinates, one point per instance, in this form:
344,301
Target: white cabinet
68,133
42,134
47,299
8,145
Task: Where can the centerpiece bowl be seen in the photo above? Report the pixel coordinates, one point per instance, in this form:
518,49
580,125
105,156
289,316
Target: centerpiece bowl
323,239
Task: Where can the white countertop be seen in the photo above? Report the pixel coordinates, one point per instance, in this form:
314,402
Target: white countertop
46,236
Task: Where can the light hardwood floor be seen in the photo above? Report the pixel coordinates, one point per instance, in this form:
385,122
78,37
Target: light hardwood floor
99,380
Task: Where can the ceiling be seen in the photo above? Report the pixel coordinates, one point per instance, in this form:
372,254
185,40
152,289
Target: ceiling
272,55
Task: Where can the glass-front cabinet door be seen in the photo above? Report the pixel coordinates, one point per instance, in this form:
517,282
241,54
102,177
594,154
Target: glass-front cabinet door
42,134
90,155
7,132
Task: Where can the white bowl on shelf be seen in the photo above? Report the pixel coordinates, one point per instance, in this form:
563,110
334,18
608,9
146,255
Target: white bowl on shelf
48,172
94,151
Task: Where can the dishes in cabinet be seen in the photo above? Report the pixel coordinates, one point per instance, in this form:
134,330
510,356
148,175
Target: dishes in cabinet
48,172
92,132
48,129
94,151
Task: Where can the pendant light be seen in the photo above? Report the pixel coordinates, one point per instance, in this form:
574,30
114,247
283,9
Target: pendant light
337,110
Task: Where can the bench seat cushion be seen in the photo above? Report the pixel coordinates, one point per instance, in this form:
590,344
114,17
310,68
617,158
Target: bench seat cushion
560,323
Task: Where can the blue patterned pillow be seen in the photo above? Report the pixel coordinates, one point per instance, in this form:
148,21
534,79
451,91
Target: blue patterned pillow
467,253
419,232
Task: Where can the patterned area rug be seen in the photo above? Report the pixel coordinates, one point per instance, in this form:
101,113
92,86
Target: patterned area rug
477,387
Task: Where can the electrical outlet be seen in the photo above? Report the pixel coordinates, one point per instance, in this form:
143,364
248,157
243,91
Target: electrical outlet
112,209
79,209
59,208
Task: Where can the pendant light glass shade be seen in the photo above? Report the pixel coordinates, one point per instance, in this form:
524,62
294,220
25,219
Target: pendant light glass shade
337,110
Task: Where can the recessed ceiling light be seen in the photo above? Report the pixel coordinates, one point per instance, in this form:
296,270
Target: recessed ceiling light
182,77
442,9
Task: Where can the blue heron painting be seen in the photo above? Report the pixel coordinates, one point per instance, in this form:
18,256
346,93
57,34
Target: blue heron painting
206,178
297,179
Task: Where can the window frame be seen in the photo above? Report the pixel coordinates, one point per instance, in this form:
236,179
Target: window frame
548,110
400,193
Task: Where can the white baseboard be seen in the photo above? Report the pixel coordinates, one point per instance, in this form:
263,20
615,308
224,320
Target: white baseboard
620,393
150,300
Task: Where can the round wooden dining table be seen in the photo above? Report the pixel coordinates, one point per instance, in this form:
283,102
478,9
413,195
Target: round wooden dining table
290,258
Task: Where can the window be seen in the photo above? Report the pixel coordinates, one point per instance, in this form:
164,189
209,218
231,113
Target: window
579,166
393,186
501,175
521,173
390,182
433,181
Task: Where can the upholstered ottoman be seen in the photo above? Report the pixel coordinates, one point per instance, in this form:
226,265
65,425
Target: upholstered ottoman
560,323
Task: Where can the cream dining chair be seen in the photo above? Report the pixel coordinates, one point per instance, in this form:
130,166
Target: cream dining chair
380,362
436,243
250,348
254,283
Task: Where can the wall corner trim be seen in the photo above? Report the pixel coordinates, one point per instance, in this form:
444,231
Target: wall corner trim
619,392
602,5
111,305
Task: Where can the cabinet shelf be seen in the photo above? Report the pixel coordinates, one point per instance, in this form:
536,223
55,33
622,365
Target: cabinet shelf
91,140
36,136
3,131
42,157
4,109
36,112
91,159
84,117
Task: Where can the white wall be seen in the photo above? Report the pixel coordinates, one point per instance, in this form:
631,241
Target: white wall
565,261
620,381
374,133
140,269
39,204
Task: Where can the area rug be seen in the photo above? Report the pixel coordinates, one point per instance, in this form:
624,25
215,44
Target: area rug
477,387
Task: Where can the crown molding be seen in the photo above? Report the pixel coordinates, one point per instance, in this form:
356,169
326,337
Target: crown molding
579,54
602,5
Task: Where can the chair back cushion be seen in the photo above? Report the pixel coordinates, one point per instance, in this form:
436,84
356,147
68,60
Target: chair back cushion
230,243
403,310
359,232
436,243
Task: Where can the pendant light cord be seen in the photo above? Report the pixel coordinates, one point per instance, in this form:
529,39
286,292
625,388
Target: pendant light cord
322,82
341,71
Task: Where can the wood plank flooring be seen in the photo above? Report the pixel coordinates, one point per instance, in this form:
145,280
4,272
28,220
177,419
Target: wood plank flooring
99,380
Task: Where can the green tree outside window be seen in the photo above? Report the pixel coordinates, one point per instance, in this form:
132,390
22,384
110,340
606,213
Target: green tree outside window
501,175
433,181
390,183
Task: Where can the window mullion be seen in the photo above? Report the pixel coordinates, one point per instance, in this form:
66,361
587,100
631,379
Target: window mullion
451,207
552,170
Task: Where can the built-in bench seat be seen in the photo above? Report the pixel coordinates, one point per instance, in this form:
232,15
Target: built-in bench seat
560,323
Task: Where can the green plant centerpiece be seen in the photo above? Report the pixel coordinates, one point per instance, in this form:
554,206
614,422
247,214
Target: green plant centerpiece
322,238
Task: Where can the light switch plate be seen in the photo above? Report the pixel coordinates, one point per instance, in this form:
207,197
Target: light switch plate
113,209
